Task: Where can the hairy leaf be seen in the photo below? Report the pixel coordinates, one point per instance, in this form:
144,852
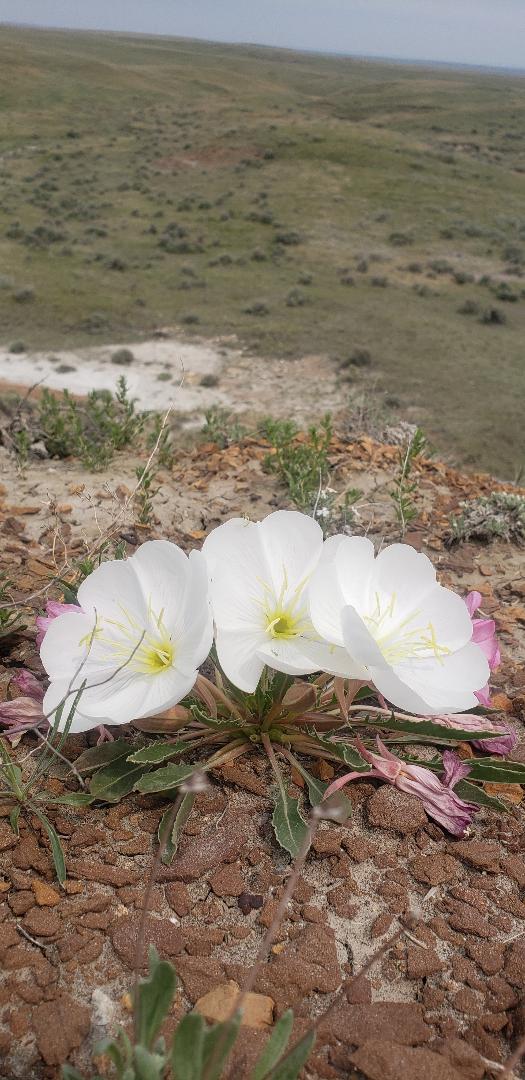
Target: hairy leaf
337,808
172,841
165,779
188,1047
474,794
428,729
154,997
116,780
56,847
98,756
289,827
275,1047
218,1042
159,752
294,1061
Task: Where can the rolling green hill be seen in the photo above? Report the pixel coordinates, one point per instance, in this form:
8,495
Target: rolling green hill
304,203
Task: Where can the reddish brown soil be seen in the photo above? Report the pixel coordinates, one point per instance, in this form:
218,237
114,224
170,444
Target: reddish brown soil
439,1004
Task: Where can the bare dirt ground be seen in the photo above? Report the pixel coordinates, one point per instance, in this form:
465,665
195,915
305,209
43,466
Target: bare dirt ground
169,370
447,1003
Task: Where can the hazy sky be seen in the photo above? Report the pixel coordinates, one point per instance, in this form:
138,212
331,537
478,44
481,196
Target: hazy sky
474,31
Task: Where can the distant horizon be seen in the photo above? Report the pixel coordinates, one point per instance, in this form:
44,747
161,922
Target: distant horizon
420,61
471,33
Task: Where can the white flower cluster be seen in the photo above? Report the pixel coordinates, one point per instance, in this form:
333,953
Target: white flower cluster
273,594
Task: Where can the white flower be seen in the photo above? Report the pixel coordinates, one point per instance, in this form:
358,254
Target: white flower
259,575
142,629
410,636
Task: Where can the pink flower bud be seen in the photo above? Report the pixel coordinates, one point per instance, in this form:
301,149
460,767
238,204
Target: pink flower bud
53,609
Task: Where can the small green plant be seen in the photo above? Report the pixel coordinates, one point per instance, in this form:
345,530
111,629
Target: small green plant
10,616
500,515
404,486
220,427
147,489
302,464
122,356
17,347
92,430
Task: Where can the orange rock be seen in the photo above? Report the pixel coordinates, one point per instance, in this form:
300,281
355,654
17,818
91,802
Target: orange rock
45,895
217,1005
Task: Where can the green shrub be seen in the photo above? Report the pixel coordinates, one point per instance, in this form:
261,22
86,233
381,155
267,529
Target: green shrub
122,357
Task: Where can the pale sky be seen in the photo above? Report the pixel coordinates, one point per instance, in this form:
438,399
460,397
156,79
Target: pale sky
490,32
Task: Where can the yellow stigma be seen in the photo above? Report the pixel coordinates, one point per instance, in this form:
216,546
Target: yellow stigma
283,625
155,657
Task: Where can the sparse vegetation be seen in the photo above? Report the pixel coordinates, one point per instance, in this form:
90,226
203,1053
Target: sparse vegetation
405,485
500,515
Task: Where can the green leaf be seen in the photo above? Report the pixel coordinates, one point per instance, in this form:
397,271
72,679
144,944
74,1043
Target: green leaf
165,779
159,752
218,1042
181,817
473,793
148,1066
154,997
497,770
341,750
14,818
56,847
68,1073
73,798
275,1047
289,827
429,730
188,1048
337,808
294,1061
98,756
116,780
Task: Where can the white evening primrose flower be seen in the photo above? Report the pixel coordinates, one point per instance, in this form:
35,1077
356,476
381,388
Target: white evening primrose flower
409,635
259,577
142,630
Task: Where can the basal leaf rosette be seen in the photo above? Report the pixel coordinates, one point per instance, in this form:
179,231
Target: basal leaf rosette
136,641
407,635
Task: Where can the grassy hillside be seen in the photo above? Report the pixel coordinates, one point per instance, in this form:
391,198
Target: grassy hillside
304,203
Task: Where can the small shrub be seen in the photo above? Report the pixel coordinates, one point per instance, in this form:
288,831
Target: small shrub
64,369
470,307
379,282
360,358
220,427
258,255
24,295
164,376
114,262
305,278
295,298
489,517
400,239
209,379
257,308
362,266
504,292
17,347
493,317
122,356
461,277
191,319
288,238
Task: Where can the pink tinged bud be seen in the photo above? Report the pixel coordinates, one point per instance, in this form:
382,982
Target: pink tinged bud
53,609
437,796
21,714
28,685
483,631
473,602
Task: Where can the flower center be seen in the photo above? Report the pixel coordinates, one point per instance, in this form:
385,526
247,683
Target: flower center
145,649
283,625
399,640
155,656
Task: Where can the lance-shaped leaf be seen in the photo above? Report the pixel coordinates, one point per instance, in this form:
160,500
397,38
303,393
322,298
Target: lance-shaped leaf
160,751
116,780
171,842
337,808
341,750
289,826
218,1042
172,776
56,847
99,756
474,794
275,1047
188,1048
154,997
294,1060
428,729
